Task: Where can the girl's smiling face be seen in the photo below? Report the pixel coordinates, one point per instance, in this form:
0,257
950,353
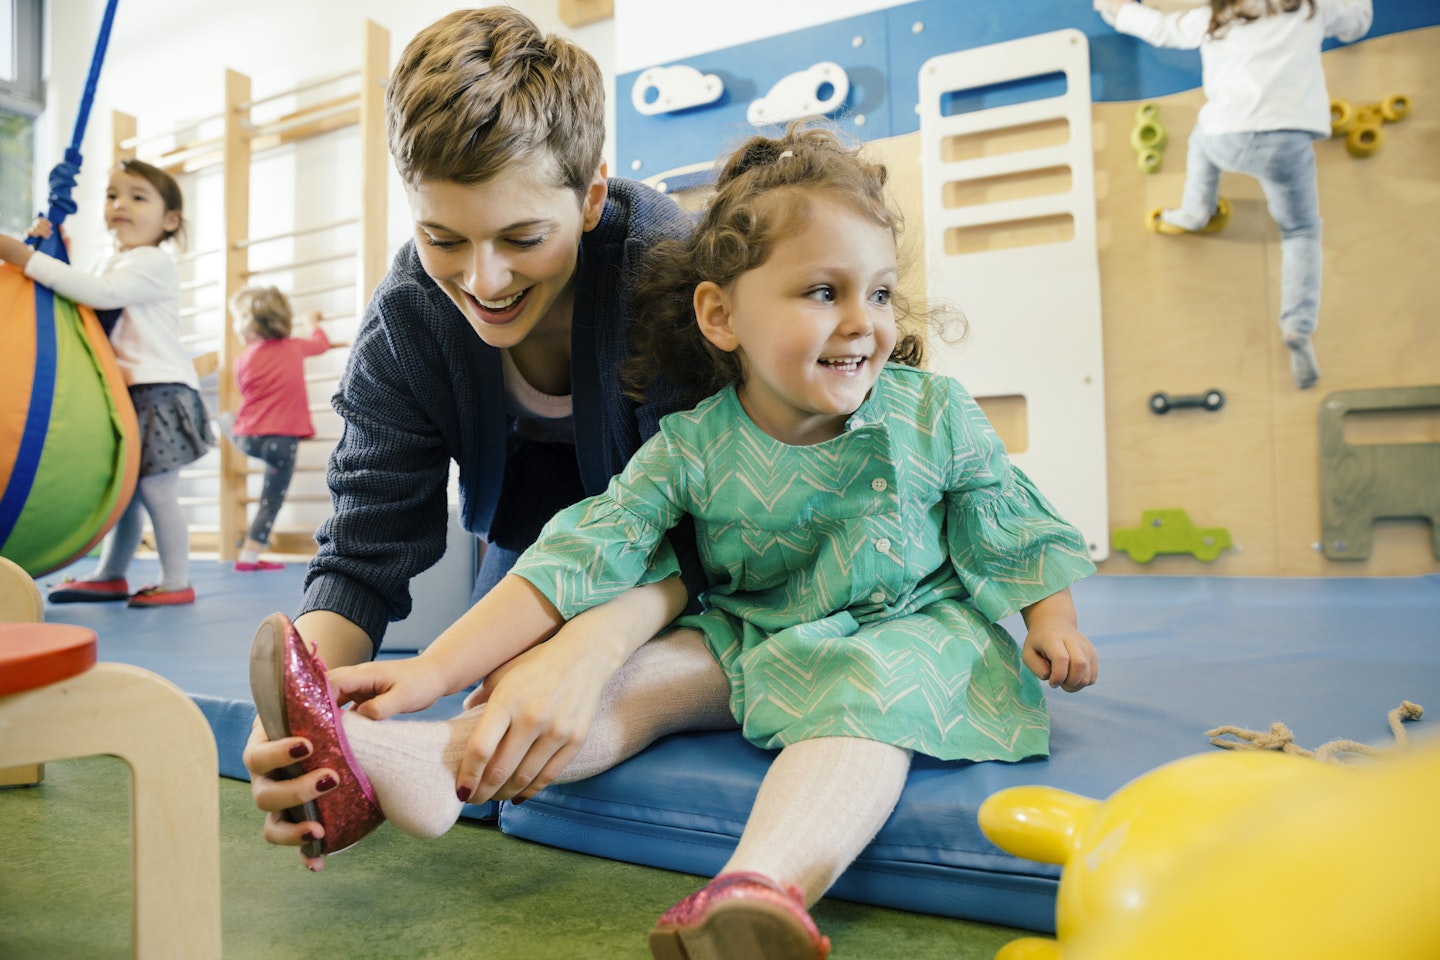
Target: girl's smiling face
504,251
813,324
135,212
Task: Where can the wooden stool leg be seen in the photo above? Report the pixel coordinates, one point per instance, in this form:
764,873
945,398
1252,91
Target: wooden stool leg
144,719
20,602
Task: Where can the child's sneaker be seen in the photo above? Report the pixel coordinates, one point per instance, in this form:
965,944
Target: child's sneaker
249,566
153,596
89,591
1159,223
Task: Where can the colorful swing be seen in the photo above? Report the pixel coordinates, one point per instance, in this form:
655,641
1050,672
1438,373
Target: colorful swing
69,441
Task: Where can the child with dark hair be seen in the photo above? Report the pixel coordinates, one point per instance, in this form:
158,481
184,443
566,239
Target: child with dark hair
1265,106
144,211
861,530
274,411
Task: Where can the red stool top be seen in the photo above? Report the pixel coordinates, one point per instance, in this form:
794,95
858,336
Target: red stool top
38,654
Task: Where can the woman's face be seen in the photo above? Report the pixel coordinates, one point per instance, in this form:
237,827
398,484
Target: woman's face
504,251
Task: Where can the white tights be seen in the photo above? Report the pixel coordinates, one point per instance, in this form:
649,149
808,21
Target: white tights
820,803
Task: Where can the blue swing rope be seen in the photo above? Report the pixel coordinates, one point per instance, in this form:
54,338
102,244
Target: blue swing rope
63,174
42,391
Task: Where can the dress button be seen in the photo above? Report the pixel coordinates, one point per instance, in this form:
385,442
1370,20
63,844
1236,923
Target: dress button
883,545
878,484
877,597
856,423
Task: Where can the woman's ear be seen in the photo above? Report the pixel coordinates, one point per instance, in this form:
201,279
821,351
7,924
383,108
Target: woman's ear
595,196
712,313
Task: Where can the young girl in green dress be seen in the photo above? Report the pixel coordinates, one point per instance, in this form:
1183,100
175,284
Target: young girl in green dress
862,532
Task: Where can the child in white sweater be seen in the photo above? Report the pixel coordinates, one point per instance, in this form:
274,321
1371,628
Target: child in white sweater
1265,105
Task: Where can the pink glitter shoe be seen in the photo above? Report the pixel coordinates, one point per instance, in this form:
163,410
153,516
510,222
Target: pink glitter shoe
293,699
739,916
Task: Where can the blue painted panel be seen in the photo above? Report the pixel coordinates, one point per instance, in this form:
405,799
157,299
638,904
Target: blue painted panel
700,134
884,70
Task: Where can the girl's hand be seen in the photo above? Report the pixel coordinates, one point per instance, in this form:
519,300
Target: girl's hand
40,228
262,758
1055,649
1109,8
14,250
312,321
383,688
1061,655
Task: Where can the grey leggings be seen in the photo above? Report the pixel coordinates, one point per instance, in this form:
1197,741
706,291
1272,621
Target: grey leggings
278,453
158,495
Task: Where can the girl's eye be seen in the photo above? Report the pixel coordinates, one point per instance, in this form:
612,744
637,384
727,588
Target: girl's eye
823,294
881,296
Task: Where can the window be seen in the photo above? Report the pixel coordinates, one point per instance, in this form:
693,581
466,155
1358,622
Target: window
22,96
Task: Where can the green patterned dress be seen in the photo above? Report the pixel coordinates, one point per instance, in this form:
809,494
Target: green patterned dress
856,583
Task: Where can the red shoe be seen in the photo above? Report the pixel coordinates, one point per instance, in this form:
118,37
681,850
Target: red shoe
246,566
89,591
740,915
153,596
293,699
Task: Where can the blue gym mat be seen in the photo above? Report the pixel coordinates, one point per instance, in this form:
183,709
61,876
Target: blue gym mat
1328,657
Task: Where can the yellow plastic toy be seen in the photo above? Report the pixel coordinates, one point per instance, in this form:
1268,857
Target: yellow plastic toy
1360,127
1240,855
1148,138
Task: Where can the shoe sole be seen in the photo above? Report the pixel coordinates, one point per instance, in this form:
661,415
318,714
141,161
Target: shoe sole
267,688
741,927
159,603
85,596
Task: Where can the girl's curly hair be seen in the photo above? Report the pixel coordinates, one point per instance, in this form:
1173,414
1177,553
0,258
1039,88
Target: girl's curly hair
763,192
1225,12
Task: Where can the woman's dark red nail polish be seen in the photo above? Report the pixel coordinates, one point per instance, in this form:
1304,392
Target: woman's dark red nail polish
463,793
326,783
299,750
307,836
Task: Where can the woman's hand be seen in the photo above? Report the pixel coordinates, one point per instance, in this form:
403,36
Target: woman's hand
538,712
541,704
263,758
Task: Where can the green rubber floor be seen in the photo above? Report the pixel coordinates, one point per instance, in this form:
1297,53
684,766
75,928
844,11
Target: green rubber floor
65,891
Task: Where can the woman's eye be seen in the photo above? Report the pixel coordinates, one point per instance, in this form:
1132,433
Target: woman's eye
440,244
525,243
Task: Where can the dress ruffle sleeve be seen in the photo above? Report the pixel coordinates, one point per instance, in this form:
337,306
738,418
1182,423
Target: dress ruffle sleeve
597,549
1009,545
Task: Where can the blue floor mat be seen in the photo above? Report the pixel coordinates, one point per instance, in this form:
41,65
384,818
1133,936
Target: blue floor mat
1329,657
